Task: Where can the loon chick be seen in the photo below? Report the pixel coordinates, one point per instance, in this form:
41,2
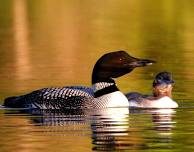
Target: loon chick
103,94
162,93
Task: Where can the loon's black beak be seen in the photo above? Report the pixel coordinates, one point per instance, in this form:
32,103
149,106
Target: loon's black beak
141,63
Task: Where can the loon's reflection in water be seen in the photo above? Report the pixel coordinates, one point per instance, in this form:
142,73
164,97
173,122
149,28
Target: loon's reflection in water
55,117
110,128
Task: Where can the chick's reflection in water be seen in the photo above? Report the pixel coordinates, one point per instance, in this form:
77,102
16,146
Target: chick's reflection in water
163,124
162,120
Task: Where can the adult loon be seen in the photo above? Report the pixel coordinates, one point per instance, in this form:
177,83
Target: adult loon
104,92
162,93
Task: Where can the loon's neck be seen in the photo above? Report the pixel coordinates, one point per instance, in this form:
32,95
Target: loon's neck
102,88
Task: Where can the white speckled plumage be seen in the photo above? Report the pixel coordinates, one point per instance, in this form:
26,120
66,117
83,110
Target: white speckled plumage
115,99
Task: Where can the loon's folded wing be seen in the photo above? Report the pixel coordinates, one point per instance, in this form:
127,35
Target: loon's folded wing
52,98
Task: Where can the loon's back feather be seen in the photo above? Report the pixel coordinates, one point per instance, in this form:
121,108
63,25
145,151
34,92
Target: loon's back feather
53,98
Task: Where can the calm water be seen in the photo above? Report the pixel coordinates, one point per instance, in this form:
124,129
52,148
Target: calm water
56,43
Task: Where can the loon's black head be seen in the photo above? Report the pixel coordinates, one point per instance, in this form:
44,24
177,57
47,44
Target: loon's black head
163,78
115,64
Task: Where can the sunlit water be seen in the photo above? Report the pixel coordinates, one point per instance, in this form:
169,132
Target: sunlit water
56,43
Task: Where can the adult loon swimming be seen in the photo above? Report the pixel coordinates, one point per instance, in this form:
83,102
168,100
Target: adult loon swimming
104,92
162,93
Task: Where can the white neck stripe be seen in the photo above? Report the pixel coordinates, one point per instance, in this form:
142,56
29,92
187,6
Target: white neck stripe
101,85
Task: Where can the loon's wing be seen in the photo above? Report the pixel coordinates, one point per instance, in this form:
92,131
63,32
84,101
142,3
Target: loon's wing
53,98
88,90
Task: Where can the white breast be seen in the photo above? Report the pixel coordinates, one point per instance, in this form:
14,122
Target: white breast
164,102
114,99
